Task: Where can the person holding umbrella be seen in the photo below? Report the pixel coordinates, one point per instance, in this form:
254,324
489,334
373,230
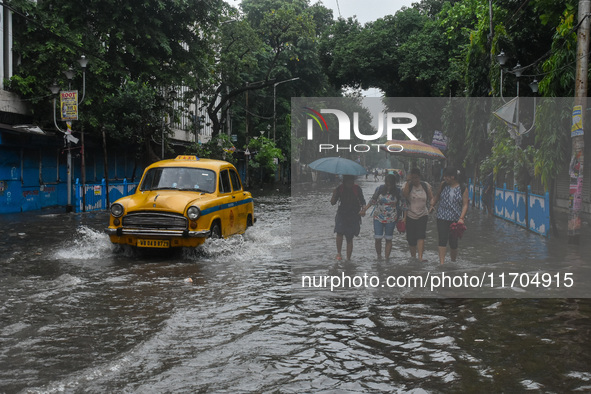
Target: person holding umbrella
386,213
347,219
419,196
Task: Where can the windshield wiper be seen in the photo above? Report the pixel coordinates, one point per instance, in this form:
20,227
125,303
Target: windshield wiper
194,189
161,188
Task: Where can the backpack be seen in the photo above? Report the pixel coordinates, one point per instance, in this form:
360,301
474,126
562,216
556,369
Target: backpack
356,192
425,188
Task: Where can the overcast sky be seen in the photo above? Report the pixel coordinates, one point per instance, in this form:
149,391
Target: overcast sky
365,10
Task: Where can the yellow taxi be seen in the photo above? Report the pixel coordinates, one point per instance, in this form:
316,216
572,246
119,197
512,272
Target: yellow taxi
180,203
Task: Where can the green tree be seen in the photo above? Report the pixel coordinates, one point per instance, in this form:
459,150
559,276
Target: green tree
139,118
162,44
272,42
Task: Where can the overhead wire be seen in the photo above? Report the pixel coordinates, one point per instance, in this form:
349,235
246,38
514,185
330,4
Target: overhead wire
339,9
550,51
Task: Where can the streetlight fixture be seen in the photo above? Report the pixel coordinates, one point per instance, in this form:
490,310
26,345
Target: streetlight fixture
69,73
55,90
275,102
534,86
517,71
83,61
502,58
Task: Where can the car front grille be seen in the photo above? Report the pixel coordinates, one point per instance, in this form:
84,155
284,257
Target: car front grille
150,220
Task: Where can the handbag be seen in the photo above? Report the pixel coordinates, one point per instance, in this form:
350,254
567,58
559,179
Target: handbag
401,226
457,229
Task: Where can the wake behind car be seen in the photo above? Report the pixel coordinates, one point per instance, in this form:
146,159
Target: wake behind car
180,203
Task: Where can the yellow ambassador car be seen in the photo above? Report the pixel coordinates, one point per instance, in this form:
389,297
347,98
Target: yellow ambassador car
181,202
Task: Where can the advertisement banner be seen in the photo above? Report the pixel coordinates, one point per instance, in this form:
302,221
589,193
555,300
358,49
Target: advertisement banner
577,125
439,140
69,105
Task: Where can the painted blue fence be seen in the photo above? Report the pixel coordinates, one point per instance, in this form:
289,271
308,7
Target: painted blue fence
95,196
522,208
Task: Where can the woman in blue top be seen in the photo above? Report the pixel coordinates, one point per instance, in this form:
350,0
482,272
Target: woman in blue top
387,212
453,205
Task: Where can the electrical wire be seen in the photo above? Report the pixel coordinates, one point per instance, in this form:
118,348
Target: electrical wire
550,51
339,9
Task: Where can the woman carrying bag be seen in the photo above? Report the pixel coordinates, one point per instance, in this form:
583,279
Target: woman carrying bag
453,205
385,215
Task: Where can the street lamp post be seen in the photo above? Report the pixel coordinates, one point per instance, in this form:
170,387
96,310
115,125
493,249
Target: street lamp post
517,71
55,89
275,102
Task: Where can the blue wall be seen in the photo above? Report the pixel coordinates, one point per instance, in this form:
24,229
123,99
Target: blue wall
33,173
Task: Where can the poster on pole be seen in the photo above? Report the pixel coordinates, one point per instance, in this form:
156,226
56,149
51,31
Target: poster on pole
577,124
439,140
69,104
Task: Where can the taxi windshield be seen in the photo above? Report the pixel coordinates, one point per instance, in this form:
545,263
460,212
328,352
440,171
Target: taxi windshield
179,178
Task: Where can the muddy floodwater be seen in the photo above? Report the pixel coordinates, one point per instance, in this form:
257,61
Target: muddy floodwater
78,315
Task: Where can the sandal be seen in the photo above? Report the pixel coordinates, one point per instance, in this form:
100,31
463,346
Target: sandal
339,257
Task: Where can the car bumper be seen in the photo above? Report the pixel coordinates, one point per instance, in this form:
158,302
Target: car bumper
157,233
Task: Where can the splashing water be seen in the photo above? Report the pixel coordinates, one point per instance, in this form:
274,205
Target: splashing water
86,244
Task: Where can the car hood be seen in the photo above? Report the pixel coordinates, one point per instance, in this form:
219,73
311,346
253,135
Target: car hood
164,200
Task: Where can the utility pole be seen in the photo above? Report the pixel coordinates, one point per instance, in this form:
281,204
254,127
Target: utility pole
578,124
247,156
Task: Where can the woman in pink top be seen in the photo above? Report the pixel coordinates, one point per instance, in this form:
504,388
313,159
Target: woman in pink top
419,196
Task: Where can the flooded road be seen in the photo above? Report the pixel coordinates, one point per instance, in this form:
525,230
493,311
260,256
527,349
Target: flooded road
78,315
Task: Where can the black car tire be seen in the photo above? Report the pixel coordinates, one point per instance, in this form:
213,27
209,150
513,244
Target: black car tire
215,231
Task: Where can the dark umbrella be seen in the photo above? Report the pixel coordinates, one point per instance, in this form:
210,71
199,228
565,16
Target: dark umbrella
338,165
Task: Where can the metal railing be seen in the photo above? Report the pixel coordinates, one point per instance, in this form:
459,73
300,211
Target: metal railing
93,197
528,210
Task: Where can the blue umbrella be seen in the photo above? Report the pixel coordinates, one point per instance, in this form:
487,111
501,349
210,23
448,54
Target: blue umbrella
338,165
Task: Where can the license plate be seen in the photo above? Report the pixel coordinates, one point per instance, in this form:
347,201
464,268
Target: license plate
153,243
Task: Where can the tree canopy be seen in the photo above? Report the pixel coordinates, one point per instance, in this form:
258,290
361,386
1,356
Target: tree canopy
243,65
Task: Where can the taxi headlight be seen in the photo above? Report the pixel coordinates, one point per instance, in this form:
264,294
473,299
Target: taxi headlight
117,210
193,213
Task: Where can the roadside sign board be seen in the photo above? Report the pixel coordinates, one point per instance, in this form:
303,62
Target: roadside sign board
69,104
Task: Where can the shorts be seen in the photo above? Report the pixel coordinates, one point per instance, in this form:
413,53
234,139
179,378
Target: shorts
416,229
383,230
444,234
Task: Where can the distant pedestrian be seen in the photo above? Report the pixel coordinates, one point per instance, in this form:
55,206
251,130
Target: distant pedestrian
419,198
453,205
376,175
387,212
347,219
487,194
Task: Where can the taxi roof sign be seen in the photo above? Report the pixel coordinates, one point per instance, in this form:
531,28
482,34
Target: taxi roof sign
187,157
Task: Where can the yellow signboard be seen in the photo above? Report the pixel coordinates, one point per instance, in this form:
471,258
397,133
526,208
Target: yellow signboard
69,104
577,124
